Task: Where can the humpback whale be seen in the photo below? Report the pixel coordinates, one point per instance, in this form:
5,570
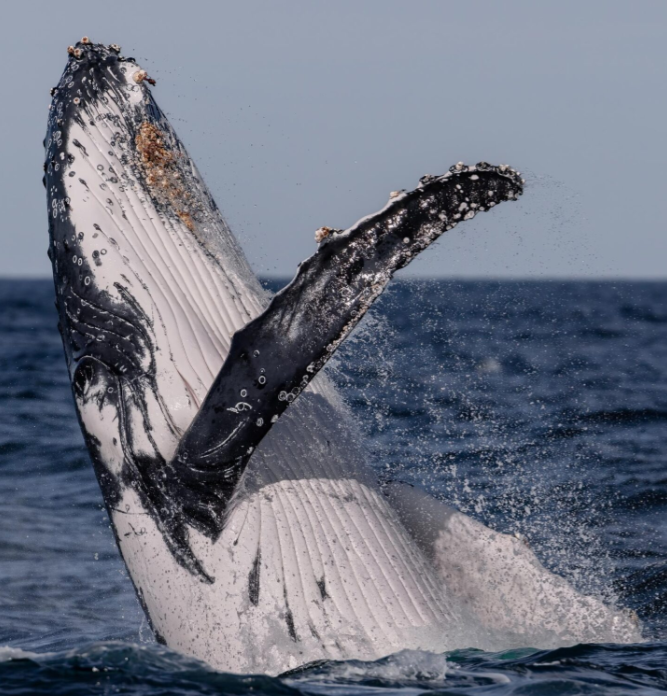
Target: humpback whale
256,534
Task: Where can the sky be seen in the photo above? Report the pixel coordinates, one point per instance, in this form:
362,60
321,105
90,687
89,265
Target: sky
308,113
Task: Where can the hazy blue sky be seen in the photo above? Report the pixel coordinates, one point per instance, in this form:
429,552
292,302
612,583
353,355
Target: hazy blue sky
302,114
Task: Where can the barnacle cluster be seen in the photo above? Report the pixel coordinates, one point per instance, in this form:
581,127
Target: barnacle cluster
160,168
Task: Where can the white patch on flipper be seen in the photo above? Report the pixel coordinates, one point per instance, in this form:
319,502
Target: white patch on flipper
501,581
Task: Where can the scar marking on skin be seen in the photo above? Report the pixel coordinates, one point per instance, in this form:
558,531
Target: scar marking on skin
322,587
253,580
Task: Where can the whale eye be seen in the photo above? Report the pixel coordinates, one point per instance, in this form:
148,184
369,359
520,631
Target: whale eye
84,378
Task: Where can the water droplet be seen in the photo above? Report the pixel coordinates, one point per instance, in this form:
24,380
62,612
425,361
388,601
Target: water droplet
261,379
244,392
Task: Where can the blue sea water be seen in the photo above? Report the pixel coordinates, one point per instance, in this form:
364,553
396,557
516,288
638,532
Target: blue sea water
538,407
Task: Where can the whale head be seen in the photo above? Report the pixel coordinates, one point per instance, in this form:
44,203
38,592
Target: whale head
150,283
148,277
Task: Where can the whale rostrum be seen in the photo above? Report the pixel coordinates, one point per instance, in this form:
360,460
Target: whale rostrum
239,491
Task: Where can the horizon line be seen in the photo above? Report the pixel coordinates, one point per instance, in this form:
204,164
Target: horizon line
452,278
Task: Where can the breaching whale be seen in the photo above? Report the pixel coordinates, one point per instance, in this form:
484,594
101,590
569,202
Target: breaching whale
254,531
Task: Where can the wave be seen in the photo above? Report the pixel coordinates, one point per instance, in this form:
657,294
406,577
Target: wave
115,667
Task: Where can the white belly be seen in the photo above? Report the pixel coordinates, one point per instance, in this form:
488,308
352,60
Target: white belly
312,564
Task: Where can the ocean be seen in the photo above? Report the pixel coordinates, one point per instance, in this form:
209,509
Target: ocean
538,407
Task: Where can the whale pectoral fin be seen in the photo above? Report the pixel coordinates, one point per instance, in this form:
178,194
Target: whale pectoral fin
273,358
501,580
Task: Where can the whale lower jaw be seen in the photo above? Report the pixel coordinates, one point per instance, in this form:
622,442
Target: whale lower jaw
304,570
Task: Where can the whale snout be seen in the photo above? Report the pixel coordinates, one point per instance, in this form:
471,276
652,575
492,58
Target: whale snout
103,110
91,66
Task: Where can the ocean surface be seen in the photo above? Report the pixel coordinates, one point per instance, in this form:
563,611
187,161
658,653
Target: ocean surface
538,407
